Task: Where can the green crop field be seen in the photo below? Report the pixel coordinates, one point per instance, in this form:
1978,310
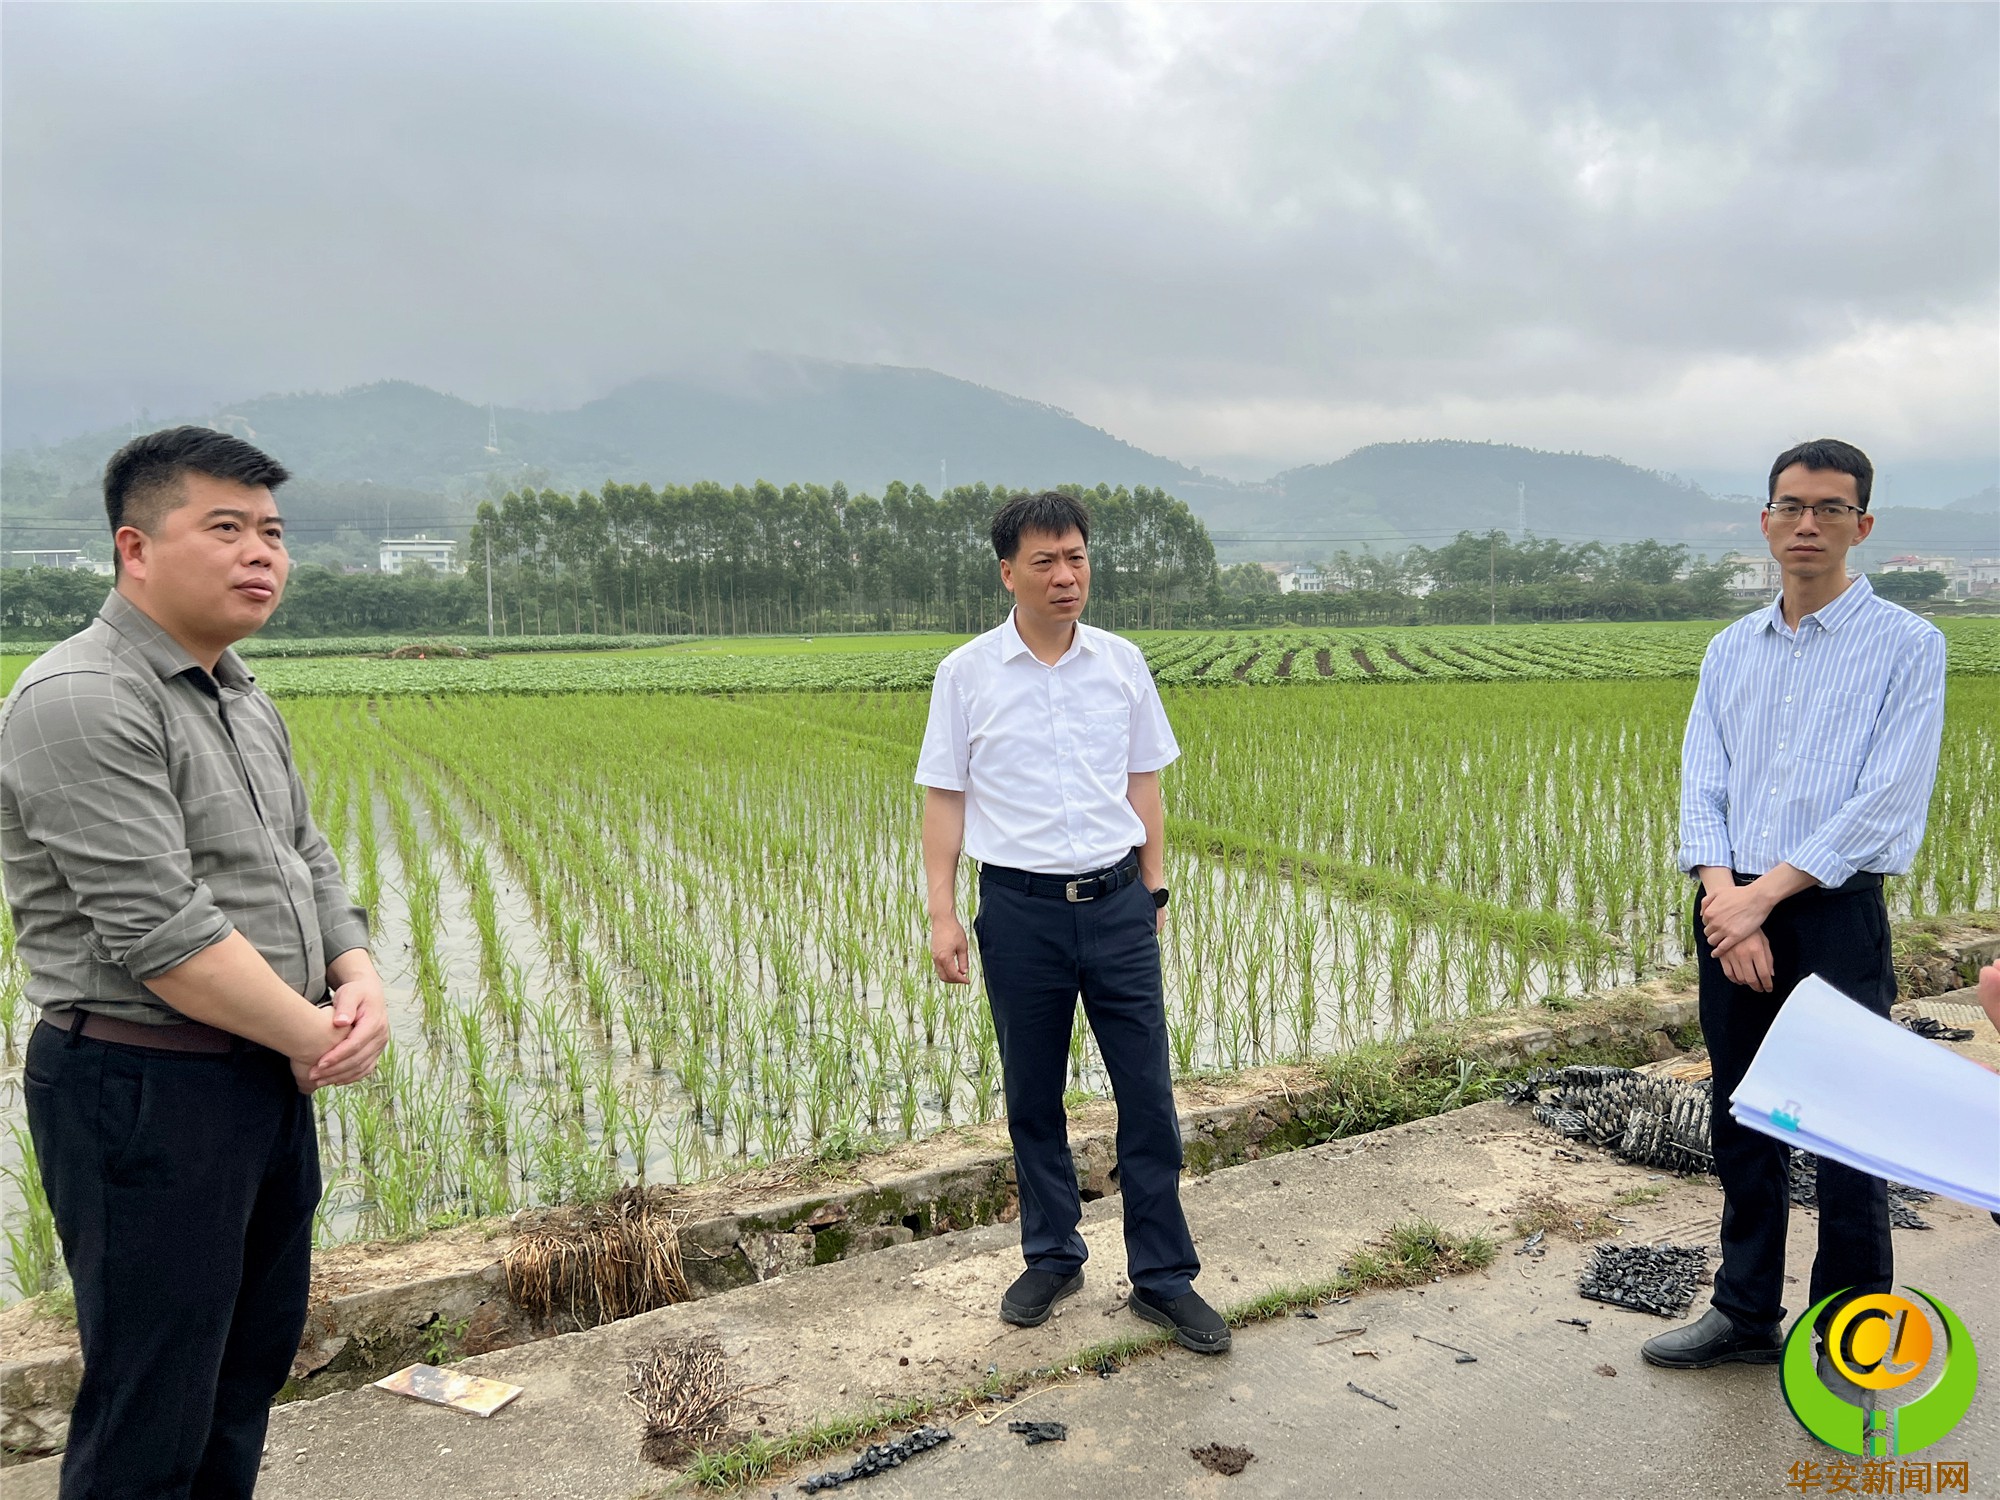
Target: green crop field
656,915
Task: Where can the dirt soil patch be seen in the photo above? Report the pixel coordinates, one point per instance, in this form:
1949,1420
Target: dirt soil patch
1222,1458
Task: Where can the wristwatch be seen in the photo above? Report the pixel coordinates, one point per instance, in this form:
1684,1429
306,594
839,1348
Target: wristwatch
1160,897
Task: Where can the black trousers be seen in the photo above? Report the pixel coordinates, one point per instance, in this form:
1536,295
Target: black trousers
183,1188
1842,936
1038,954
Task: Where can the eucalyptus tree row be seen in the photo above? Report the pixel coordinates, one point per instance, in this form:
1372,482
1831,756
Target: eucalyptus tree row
813,559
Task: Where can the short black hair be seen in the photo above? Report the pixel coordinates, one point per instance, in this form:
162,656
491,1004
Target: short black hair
1051,511
1828,453
140,480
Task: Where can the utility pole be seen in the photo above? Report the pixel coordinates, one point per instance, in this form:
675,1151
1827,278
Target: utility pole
489,584
1492,598
1521,503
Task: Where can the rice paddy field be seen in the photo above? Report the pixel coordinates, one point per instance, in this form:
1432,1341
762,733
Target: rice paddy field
651,917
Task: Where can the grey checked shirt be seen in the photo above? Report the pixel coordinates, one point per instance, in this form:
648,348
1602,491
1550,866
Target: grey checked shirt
148,810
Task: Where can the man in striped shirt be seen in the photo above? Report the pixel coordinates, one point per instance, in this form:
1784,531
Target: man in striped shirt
1805,777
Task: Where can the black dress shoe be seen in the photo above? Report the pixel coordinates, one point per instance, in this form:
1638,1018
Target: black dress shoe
1712,1339
1196,1325
1839,1384
1034,1294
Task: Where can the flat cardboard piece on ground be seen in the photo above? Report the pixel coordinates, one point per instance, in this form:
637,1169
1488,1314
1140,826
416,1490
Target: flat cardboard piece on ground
460,1392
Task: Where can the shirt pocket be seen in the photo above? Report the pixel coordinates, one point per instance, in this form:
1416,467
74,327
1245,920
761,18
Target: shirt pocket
1838,728
1107,741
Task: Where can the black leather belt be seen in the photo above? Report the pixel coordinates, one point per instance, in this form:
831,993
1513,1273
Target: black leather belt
179,1036
1089,886
1860,880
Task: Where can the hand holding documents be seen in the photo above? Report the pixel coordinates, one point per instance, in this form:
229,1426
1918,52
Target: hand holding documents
1838,1080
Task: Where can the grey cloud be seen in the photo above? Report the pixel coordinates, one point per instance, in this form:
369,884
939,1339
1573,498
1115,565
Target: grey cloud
1323,207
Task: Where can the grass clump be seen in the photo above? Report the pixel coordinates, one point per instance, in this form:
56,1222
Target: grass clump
759,1456
1632,1197
1550,1215
1419,1251
1384,1083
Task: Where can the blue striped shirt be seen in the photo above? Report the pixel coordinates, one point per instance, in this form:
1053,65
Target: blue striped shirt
1814,747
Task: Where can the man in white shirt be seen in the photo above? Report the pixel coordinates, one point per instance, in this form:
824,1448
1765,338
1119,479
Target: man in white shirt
1042,761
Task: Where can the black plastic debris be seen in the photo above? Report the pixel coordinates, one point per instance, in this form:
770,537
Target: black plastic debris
1532,1245
1658,1279
1378,1400
878,1458
1465,1356
1902,1197
1041,1432
1645,1119
1931,1028
1583,1323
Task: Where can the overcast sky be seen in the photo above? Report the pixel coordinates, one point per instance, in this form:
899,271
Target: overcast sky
1243,237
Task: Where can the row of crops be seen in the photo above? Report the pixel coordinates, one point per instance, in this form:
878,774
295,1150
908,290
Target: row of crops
277,647
1188,658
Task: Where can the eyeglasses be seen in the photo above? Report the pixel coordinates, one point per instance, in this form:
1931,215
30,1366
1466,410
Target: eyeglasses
1789,511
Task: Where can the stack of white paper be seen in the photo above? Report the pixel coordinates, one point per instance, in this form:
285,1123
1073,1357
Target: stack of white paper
1838,1080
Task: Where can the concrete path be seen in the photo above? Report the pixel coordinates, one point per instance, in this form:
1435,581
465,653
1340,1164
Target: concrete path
1535,1416
1531,1417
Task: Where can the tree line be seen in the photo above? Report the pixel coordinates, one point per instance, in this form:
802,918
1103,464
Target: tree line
709,559
1490,576
807,559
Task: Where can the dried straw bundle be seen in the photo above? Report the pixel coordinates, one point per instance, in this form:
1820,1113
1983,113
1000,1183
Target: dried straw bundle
684,1390
600,1262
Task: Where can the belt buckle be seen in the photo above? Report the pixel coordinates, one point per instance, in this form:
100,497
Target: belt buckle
1069,889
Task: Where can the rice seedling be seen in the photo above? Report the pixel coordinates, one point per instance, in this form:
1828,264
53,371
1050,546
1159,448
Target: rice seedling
634,935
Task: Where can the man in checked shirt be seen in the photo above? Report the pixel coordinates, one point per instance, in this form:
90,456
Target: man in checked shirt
199,971
1805,778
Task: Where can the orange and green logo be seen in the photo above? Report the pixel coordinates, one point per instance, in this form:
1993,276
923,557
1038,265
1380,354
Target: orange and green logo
1882,1343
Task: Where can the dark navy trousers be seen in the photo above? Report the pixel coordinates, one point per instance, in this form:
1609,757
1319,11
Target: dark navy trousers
1842,936
183,1189
1039,953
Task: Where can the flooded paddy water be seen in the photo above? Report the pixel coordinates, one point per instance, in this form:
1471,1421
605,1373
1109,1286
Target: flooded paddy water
647,937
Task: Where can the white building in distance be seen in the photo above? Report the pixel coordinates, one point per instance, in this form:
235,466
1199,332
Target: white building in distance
1981,577
440,556
1303,579
1753,577
68,558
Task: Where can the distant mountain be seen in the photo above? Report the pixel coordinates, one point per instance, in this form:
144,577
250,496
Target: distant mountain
396,456
1388,495
1986,502
774,419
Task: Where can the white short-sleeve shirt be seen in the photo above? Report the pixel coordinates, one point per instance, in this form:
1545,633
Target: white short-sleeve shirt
1042,752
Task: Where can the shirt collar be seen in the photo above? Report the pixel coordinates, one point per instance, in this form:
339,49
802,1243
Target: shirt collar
1011,644
1830,617
165,655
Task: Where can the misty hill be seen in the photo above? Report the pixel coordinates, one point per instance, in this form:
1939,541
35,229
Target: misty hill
773,419
1388,495
398,457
